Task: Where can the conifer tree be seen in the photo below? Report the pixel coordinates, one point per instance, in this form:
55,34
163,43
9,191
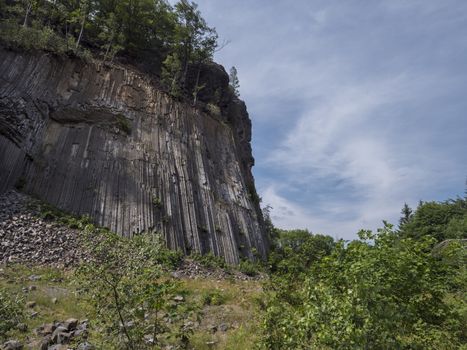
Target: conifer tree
233,81
407,215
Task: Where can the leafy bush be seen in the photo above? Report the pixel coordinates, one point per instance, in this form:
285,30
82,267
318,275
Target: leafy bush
380,292
48,212
33,38
11,312
213,297
124,283
156,201
209,260
123,124
248,268
213,109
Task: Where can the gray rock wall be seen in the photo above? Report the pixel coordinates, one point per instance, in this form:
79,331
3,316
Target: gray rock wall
105,142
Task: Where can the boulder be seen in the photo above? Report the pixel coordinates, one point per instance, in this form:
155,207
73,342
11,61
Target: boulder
12,345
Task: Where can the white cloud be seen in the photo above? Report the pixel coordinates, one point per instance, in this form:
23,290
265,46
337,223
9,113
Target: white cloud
375,115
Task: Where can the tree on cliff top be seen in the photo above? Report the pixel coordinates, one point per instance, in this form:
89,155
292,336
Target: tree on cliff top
147,30
234,82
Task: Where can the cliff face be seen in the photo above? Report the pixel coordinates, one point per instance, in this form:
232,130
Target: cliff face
105,142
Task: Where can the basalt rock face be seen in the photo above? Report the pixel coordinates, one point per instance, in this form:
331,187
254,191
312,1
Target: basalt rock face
105,142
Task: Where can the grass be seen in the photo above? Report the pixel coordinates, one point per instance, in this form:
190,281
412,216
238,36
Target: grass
231,302
53,283
218,301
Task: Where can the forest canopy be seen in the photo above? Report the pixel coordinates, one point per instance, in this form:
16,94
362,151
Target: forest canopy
167,40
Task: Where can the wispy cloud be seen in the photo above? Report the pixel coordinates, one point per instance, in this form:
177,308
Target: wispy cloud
357,106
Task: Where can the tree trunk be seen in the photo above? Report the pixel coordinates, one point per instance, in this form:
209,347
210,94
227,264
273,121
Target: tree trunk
80,33
28,9
66,34
109,45
122,321
195,93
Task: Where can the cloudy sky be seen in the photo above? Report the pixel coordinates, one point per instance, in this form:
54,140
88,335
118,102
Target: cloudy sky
357,106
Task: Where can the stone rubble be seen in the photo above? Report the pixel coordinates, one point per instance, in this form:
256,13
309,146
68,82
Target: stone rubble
55,335
26,238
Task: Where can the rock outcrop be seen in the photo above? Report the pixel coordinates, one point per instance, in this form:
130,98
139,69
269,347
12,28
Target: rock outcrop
104,141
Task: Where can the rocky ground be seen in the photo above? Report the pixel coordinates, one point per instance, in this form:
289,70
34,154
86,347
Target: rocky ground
56,336
26,238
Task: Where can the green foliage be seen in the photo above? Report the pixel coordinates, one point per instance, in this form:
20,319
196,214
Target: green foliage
48,212
253,194
156,201
296,250
147,30
213,297
234,82
249,268
171,74
213,109
123,124
407,215
11,312
209,260
442,220
380,292
124,283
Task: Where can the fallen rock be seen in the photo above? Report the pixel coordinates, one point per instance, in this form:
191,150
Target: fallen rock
85,346
61,335
12,345
34,278
71,324
57,347
22,327
47,328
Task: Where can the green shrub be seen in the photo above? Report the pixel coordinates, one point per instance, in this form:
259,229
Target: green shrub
123,124
248,268
125,285
11,312
213,109
156,201
33,38
209,260
380,292
213,297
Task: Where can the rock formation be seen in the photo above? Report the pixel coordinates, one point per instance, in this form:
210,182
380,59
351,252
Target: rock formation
104,141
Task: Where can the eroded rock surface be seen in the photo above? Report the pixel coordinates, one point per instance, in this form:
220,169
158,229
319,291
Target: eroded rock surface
105,142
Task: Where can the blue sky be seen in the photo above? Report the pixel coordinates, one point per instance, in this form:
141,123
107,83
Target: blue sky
357,106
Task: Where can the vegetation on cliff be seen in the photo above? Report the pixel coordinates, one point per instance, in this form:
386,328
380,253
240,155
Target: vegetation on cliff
166,40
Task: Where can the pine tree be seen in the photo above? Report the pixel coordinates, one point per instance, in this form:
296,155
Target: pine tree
233,81
407,215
